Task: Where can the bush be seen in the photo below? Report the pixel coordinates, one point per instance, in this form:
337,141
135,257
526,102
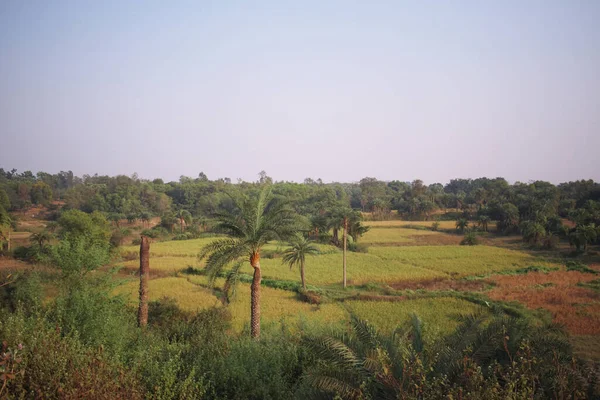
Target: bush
470,239
57,366
435,226
23,290
358,247
577,266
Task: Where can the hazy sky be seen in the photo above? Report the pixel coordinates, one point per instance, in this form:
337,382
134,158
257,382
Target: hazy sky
337,90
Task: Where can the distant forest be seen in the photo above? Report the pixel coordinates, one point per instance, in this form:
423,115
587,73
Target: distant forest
539,210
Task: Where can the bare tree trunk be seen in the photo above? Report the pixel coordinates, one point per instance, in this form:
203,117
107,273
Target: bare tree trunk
302,275
335,239
8,245
344,252
144,276
255,297
181,223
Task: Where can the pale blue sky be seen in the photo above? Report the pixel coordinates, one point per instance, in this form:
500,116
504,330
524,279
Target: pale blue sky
333,89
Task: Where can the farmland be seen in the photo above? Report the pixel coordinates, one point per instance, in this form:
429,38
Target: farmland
369,274
431,289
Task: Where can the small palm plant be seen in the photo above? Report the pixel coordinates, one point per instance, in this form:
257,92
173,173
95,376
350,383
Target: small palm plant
296,254
41,238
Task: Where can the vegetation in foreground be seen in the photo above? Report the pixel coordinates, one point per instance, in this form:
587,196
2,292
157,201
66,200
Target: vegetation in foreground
423,316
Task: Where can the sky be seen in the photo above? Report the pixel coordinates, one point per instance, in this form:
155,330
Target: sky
337,90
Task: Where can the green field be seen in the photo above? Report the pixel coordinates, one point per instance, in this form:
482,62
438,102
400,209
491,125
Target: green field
383,263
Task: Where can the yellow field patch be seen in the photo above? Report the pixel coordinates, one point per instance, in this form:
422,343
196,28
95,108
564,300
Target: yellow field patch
283,306
168,263
378,235
437,314
458,260
188,296
361,268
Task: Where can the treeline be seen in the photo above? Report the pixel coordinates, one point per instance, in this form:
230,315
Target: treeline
535,210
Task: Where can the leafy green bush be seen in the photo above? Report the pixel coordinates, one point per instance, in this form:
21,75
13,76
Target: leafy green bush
53,365
358,247
470,239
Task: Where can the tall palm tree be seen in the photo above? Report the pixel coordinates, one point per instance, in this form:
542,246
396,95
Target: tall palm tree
183,216
296,254
251,223
342,216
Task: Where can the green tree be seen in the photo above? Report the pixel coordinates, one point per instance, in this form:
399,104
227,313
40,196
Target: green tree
250,224
462,224
183,216
583,235
533,232
296,254
77,224
483,222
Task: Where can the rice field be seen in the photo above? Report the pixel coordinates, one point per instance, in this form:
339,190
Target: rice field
439,315
459,260
378,235
397,253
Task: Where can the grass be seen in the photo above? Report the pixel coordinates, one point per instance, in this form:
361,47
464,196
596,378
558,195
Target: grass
377,235
437,314
361,268
281,306
458,260
164,264
174,248
189,297
401,224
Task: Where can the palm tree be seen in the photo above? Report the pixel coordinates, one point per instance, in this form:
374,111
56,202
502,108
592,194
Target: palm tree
483,222
251,224
41,237
296,254
341,216
462,224
183,216
145,217
144,276
356,229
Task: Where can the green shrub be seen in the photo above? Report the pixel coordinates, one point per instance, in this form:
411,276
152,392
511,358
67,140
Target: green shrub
577,266
435,226
57,366
23,290
470,239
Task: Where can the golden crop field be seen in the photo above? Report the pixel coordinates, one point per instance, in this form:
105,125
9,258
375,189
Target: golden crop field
381,235
459,260
437,314
385,262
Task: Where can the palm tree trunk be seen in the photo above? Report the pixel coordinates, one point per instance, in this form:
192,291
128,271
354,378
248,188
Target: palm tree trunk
144,276
302,275
255,297
344,252
335,239
181,223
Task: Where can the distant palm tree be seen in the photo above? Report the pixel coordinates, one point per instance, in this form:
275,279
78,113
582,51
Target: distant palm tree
296,254
462,224
183,216
251,224
145,217
483,222
41,238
